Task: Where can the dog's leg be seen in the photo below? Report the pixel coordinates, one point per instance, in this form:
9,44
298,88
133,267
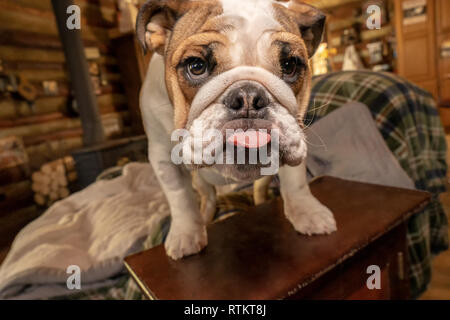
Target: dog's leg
207,197
260,188
303,210
187,234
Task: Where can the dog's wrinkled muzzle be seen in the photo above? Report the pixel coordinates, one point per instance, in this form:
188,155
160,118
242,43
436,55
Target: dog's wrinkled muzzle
214,88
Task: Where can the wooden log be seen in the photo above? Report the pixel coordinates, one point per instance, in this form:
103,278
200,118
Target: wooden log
64,193
31,120
53,176
56,176
111,99
112,128
38,75
40,188
53,196
14,53
60,168
15,66
108,5
26,54
39,129
45,190
38,72
41,153
54,126
72,176
63,89
54,186
36,40
69,163
95,14
52,167
40,178
44,75
61,75
62,181
12,108
60,135
40,199
44,152
21,19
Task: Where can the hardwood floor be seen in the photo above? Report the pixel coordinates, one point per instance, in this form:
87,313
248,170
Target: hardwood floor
439,288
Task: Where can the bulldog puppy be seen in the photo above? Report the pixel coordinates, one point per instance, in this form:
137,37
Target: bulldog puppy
229,64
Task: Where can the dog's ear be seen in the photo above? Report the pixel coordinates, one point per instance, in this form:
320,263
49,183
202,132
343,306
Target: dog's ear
155,21
311,22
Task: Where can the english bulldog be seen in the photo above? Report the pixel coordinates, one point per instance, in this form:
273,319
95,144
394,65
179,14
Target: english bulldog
229,64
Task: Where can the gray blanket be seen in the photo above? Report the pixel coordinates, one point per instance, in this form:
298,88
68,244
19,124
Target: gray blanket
347,144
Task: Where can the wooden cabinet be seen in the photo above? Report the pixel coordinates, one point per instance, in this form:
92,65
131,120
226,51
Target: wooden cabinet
417,59
424,47
443,15
443,47
432,86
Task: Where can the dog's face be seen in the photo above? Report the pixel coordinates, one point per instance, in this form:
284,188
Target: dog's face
236,64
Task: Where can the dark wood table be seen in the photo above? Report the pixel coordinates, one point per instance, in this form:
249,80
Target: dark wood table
258,254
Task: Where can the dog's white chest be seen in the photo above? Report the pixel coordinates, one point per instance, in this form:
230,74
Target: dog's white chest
215,178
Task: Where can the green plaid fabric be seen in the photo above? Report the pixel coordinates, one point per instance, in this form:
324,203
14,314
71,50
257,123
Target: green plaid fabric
409,121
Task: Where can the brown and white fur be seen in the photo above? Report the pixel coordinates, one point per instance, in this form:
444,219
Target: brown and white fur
243,43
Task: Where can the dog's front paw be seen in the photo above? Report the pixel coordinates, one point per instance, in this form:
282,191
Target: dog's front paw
185,241
309,216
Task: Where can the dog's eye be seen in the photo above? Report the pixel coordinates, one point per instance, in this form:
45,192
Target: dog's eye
289,68
196,68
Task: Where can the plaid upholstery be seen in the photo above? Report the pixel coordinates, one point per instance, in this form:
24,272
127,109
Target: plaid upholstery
408,119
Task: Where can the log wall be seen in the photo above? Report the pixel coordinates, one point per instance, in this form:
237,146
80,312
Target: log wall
30,47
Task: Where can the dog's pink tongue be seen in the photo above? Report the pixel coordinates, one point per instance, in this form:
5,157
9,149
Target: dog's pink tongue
250,139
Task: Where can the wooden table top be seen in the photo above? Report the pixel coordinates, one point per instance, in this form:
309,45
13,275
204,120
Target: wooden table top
258,254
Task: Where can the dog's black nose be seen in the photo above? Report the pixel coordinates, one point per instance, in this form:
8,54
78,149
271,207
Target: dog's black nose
247,97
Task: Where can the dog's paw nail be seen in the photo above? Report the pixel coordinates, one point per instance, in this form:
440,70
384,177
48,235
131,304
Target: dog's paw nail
181,244
317,220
